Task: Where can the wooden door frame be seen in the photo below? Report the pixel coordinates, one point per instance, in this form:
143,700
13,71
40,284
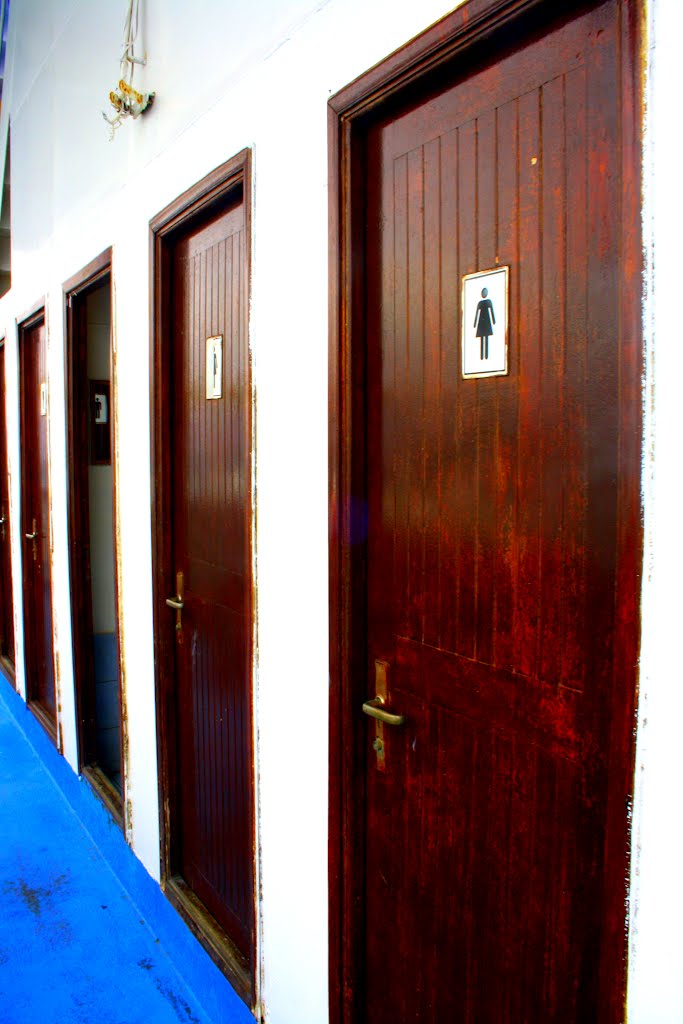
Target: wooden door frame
32,317
6,665
215,188
75,288
423,61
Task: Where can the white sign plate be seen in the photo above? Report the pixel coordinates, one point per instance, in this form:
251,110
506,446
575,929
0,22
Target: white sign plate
214,367
484,335
101,409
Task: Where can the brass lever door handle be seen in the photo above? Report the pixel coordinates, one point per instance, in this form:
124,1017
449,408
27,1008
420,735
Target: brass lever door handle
32,537
177,603
375,709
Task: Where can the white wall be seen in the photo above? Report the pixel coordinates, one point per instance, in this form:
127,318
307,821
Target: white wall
229,75
656,949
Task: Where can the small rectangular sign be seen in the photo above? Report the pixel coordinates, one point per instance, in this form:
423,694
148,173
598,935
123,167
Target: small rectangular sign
484,335
214,367
100,434
43,399
101,408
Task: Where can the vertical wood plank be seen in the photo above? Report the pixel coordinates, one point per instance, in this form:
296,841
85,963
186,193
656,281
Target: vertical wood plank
412,400
552,428
399,442
602,356
574,623
507,250
487,404
527,602
431,439
466,443
448,581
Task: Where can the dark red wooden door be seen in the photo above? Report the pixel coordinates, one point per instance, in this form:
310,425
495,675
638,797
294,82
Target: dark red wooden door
35,518
211,548
493,541
6,603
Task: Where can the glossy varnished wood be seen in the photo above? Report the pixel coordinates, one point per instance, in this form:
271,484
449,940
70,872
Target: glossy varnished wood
6,600
35,509
485,880
202,516
210,546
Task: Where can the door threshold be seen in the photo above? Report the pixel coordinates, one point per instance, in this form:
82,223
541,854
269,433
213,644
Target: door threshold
45,718
105,790
7,669
212,937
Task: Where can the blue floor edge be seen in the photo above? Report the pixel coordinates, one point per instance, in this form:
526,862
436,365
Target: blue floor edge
209,985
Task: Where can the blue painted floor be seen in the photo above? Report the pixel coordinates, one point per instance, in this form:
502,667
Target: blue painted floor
73,948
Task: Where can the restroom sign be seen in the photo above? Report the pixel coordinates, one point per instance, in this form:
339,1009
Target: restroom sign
214,367
484,332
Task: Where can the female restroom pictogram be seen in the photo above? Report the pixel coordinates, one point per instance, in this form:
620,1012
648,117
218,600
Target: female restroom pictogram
484,320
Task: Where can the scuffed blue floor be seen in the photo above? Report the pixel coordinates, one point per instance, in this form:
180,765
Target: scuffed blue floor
73,948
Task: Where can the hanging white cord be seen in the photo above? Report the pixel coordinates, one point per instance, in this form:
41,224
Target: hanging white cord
125,100
130,34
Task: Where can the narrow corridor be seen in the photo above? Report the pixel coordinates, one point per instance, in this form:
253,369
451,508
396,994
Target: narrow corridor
74,948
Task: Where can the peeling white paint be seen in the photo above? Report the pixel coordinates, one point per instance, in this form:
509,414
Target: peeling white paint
655,992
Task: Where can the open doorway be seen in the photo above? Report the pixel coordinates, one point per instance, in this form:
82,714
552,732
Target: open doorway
92,532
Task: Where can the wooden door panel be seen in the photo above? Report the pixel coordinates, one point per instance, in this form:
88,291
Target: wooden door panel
502,74
35,516
473,863
6,601
211,486
216,839
502,436
547,714
492,537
